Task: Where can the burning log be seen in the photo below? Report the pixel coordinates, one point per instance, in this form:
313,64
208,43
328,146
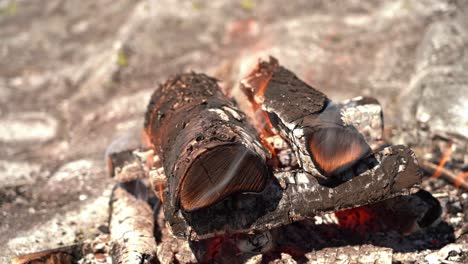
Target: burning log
295,195
406,214
216,174
325,136
131,227
204,143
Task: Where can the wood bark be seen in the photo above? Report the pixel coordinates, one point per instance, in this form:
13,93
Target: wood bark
295,195
205,145
132,226
317,129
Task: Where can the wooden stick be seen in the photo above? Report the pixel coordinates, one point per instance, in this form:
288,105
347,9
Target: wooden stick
444,173
131,226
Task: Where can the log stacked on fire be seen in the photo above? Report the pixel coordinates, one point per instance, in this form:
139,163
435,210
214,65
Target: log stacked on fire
206,147
289,154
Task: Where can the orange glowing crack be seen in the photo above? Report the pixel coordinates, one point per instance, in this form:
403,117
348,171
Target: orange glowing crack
258,80
265,132
260,94
262,121
160,192
460,178
443,161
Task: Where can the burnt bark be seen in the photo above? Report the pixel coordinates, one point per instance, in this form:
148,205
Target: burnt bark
204,143
316,128
295,195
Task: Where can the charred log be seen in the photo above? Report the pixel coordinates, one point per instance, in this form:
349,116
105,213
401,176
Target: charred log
320,133
405,214
295,195
207,149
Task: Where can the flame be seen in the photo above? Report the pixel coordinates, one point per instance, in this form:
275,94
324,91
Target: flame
256,84
265,132
259,96
443,161
160,192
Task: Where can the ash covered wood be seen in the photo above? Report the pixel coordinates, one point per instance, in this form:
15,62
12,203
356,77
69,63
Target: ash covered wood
132,225
321,133
296,195
203,142
366,115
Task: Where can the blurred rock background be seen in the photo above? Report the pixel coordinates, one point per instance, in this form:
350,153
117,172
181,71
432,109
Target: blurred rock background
76,74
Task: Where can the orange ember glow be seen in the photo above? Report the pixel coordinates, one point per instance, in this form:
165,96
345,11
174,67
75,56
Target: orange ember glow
336,149
110,166
160,192
329,162
260,93
443,161
460,179
362,220
256,84
266,131
145,138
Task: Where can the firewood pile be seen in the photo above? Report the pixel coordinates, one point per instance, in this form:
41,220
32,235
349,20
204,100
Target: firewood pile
232,159
240,184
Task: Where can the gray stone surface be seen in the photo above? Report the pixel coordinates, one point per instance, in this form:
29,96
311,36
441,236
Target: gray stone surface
437,96
76,74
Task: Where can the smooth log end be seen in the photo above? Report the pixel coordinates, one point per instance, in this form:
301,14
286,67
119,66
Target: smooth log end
220,172
335,150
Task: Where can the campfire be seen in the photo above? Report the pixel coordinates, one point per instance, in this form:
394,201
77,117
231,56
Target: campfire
227,179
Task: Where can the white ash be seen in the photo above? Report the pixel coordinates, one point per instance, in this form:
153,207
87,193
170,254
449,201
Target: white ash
234,113
28,126
367,119
326,219
221,114
75,169
19,173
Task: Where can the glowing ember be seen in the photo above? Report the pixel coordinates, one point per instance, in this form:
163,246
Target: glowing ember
443,161
361,220
460,179
160,192
255,85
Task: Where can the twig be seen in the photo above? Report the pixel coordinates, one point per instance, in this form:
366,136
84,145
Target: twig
444,173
